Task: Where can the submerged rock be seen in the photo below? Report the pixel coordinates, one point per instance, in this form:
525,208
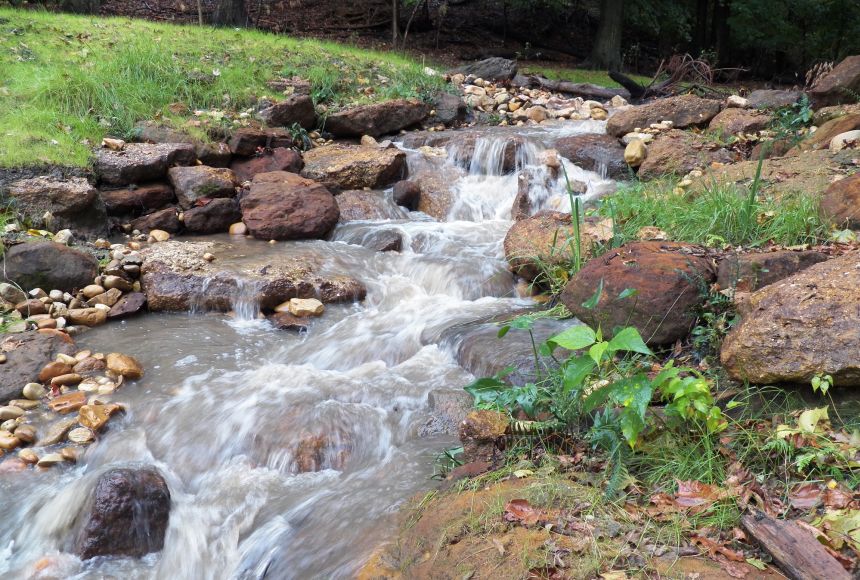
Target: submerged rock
596,153
176,277
127,515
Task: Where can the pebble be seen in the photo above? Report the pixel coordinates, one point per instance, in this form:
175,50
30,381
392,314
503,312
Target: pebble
159,236
28,456
50,460
12,293
3,359
57,431
26,433
65,404
209,257
306,307
10,412
38,293
124,365
117,282
8,441
33,391
96,416
81,435
63,237
25,404
9,425
54,369
70,454
56,295
101,244
65,358
92,291
66,380
635,153
237,229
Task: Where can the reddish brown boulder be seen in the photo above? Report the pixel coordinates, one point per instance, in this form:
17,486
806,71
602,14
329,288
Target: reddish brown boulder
43,264
286,206
214,154
120,202
482,435
360,204
749,272
354,167
841,202
840,85
294,110
201,182
165,219
669,280
318,452
821,138
250,140
593,152
280,159
142,162
26,355
407,194
378,119
213,217
679,152
73,203
733,121
684,111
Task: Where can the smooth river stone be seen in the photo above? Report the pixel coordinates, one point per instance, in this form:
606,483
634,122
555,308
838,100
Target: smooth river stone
81,435
57,431
10,412
124,365
65,404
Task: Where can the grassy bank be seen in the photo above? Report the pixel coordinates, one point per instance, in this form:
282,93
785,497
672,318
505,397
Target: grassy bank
67,81
578,75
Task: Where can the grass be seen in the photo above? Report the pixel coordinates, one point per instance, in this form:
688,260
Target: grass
717,215
579,75
67,81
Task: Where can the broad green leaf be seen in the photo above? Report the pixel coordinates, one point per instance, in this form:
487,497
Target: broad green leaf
592,302
575,372
627,293
596,398
628,339
574,338
503,331
597,351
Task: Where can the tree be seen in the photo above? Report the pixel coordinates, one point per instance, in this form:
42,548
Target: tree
606,52
230,13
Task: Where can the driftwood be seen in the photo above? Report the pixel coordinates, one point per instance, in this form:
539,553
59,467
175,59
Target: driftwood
796,550
584,90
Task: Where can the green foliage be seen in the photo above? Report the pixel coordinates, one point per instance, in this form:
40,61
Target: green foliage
717,215
790,122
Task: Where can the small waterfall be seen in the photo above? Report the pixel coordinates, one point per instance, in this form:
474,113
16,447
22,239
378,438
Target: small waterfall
242,296
246,301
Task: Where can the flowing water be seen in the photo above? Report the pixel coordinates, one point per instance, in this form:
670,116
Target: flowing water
228,402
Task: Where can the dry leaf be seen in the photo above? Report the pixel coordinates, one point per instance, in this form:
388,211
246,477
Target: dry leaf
520,510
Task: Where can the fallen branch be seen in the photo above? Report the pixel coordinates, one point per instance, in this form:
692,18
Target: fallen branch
584,90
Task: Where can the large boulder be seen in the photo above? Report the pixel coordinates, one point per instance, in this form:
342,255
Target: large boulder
679,152
822,137
360,204
749,272
48,265
27,353
280,159
142,162
213,217
286,206
733,121
772,98
201,182
684,111
545,241
841,202
73,203
669,280
214,154
378,119
490,69
127,515
800,327
250,141
354,166
294,110
448,109
594,152
176,278
138,200
841,85
165,219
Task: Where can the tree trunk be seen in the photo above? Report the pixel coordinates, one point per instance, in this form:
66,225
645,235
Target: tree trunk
606,53
230,13
200,12
395,22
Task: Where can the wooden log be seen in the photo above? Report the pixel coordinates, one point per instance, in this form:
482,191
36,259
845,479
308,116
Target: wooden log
584,90
795,550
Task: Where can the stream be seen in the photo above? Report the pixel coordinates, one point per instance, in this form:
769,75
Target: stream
227,399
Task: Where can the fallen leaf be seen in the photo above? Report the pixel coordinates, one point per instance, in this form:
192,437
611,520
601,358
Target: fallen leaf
809,419
805,496
714,549
837,498
696,493
520,510
755,562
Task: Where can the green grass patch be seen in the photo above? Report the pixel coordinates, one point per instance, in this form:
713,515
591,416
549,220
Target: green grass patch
579,75
716,215
67,81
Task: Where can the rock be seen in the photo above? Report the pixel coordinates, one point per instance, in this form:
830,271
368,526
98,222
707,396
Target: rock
490,69
214,217
462,144
175,276
238,229
249,141
31,307
127,305
841,85
406,194
383,241
127,516
772,99
28,456
304,307
87,316
64,237
285,206
847,140
280,159
10,412
57,431
366,205
201,182
124,366
72,203
318,452
737,102
137,201
81,436
667,276
679,152
158,236
684,111
142,162
89,365
91,290
448,408
287,321
749,272
8,442
212,154
733,121
50,460
65,404
53,369
536,113
165,220
294,110
11,293
117,282
448,109
377,119
482,435
821,138
593,152
27,353
33,391
841,202
799,327
354,167
108,298
113,144
95,417
26,433
635,153
48,265
543,239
